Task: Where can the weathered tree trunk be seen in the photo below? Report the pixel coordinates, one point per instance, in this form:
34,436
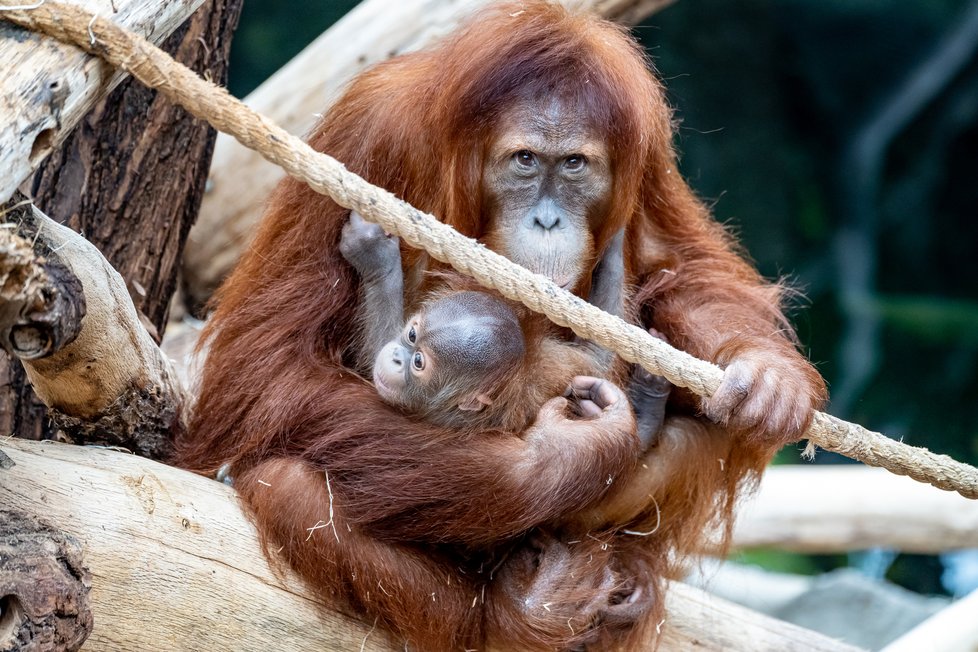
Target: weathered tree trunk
132,174
130,178
47,87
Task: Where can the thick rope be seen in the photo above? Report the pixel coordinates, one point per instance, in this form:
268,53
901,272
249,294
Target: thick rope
154,68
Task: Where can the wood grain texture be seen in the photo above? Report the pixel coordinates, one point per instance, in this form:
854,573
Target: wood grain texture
828,509
111,384
700,622
46,87
175,565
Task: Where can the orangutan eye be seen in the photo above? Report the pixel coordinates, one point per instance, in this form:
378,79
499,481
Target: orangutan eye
418,361
412,335
575,162
524,158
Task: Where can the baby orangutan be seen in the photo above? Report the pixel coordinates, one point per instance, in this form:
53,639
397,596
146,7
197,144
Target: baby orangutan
451,358
466,358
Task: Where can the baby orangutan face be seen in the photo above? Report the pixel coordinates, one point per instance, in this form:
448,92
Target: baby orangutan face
451,355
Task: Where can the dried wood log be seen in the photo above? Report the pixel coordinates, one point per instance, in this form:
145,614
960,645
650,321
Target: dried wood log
132,176
697,620
46,87
44,585
107,382
953,629
824,509
174,563
173,560
298,93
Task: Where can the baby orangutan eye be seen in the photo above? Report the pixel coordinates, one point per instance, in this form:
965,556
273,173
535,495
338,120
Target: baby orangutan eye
418,360
412,335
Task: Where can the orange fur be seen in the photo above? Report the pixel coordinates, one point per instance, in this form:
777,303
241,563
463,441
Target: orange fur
422,510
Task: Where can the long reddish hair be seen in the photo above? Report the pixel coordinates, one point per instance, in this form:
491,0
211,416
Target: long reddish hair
281,341
418,125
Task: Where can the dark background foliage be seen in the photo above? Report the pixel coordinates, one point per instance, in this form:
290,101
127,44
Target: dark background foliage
839,139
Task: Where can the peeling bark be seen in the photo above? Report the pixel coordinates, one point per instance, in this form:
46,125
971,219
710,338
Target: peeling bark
44,586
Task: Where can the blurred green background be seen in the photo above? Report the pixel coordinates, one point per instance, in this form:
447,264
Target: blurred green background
840,139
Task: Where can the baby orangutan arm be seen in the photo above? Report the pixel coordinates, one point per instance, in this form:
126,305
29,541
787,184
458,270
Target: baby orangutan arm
649,394
608,293
377,258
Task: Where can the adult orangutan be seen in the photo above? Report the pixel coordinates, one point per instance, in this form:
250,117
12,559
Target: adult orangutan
542,133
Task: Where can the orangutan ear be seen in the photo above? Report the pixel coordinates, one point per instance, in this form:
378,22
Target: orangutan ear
475,402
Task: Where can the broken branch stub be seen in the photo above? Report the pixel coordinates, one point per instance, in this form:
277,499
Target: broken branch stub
67,315
41,301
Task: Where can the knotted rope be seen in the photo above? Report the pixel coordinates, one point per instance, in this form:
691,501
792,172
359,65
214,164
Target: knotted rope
326,175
